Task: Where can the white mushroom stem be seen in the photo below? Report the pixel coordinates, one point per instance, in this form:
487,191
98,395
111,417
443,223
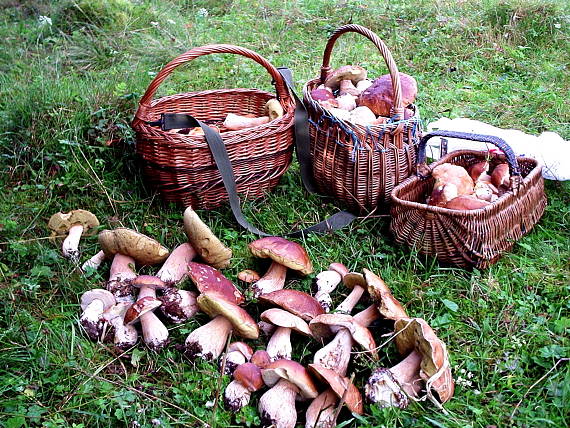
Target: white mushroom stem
351,300
125,335
94,262
327,282
70,245
277,405
209,340
91,318
155,333
178,305
279,346
391,387
273,280
175,268
336,354
236,396
120,275
322,411
233,359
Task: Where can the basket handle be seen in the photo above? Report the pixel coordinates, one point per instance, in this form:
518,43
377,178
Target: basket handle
280,86
514,169
397,108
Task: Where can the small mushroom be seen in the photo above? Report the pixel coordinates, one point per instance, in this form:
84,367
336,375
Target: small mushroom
74,224
238,353
321,413
235,122
175,268
294,301
327,282
260,358
288,380
426,365
479,171
145,250
206,244
322,94
379,97
500,177
285,254
125,336
357,284
354,73
450,181
247,379
485,191
93,304
209,340
388,306
279,346
342,387
273,109
363,85
120,278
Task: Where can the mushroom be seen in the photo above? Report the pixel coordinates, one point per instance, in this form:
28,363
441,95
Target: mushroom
125,336
175,268
93,304
326,283
356,282
238,353
500,176
234,122
74,224
94,262
346,87
363,85
209,279
120,278
206,244
321,413
341,385
279,346
143,249
485,191
362,116
386,303
450,181
479,171
466,202
273,109
247,379
248,276
338,113
379,97
260,358
354,73
426,362
288,380
347,102
209,340
285,254
322,94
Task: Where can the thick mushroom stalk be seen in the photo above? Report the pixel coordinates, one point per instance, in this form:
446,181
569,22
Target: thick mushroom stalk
94,303
279,346
277,405
247,379
94,262
327,282
155,333
125,336
175,268
273,280
178,305
336,354
120,278
322,411
70,246
208,341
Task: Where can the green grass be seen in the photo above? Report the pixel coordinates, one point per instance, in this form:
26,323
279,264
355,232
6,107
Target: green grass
68,87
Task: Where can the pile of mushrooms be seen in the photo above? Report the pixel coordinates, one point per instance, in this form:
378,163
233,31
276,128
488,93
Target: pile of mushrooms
235,122
349,95
457,188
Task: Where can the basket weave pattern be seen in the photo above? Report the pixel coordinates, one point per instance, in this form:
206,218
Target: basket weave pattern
182,168
475,238
360,165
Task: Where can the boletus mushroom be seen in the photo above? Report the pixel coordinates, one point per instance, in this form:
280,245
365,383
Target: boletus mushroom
238,353
354,73
235,122
284,254
247,379
125,336
93,304
379,97
450,181
426,365
326,282
120,278
142,248
72,225
94,262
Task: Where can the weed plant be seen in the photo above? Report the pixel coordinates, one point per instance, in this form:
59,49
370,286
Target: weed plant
71,73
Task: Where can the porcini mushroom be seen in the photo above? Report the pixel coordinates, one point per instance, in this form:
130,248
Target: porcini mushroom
326,283
466,202
248,276
93,304
273,109
354,73
288,380
388,306
94,262
362,116
175,268
247,379
357,284
284,254
206,244
426,365
125,336
74,224
379,97
235,122
347,102
346,87
500,177
208,279
144,249
209,340
341,385
238,353
321,413
120,278
279,346
450,181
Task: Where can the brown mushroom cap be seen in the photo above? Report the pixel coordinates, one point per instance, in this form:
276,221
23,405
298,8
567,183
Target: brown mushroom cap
282,318
415,334
298,303
210,248
354,73
215,304
342,387
261,358
60,223
248,275
143,249
97,294
293,372
284,252
209,279
379,97
149,281
249,375
388,306
466,202
139,308
273,109
500,177
352,279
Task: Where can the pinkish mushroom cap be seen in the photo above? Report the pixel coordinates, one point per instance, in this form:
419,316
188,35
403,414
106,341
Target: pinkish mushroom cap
284,252
209,279
298,303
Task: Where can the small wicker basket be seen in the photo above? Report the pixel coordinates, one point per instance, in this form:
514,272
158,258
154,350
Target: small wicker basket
181,166
360,165
473,238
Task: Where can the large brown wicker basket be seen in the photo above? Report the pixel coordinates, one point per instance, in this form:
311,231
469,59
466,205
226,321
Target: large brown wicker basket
474,238
181,166
360,165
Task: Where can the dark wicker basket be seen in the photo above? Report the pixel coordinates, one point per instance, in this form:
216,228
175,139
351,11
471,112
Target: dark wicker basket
360,165
473,238
181,166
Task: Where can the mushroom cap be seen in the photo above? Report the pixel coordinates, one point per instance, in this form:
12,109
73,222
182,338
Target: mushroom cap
388,306
415,334
379,97
97,294
274,109
141,307
282,318
149,281
466,202
339,267
260,358
478,169
298,303
142,248
342,386
352,279
209,279
284,252
322,94
293,372
249,375
60,223
362,116
215,304
447,173
354,73
210,248
501,176
322,327
118,310
248,275
242,347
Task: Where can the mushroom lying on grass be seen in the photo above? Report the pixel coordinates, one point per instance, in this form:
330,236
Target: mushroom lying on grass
93,304
327,282
145,250
247,379
94,262
74,224
120,277
238,353
125,336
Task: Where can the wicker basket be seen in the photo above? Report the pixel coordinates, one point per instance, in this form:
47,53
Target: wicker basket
181,166
360,165
474,238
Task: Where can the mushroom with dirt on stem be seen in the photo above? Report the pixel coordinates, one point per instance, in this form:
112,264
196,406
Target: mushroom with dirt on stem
93,304
125,336
238,353
120,277
247,379
94,262
327,282
284,254
72,225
